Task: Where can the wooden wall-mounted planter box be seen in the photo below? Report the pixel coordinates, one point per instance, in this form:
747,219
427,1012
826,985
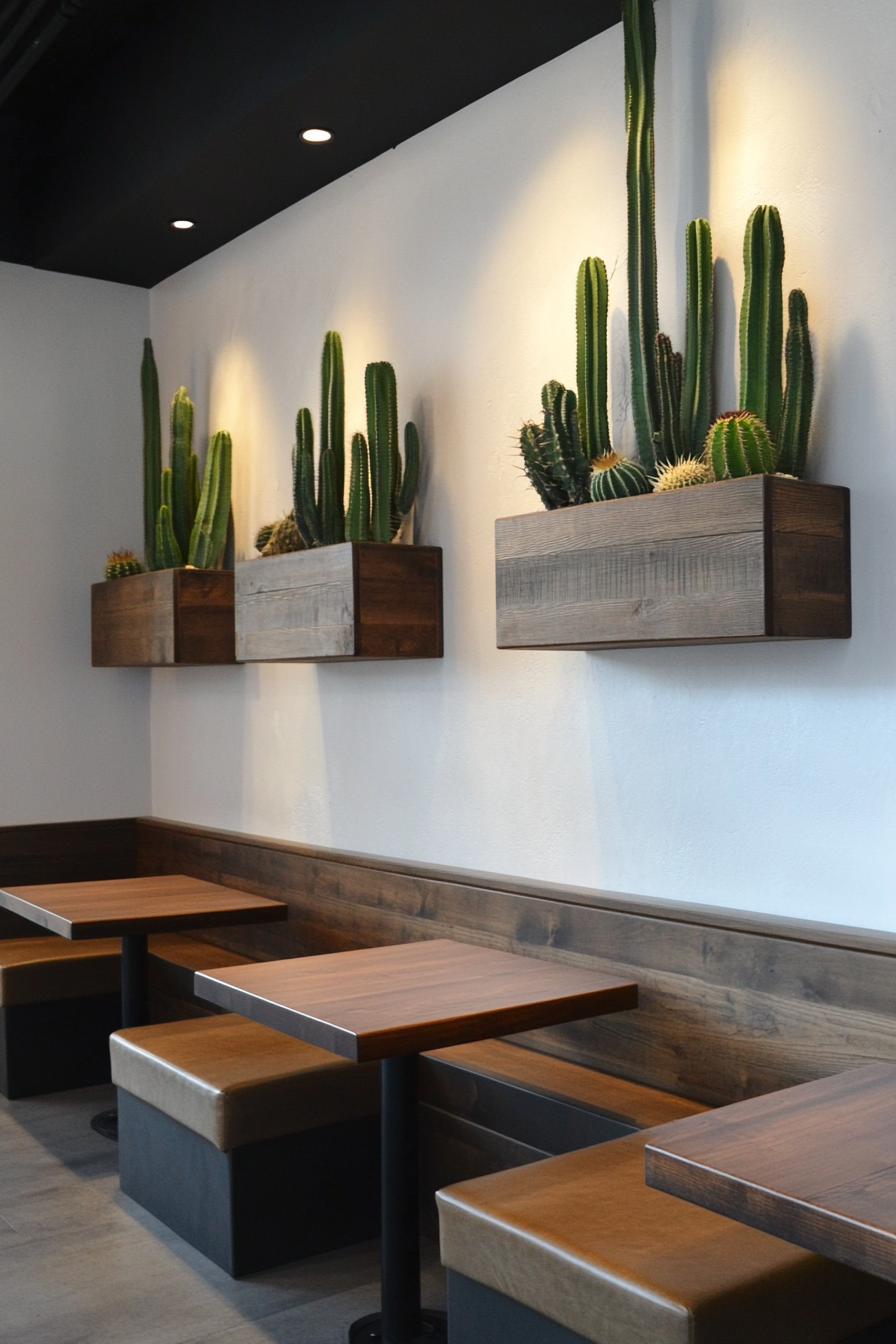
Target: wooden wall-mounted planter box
760,558
170,618
354,601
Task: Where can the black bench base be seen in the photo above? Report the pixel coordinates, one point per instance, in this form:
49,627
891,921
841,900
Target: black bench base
260,1205
480,1315
55,1045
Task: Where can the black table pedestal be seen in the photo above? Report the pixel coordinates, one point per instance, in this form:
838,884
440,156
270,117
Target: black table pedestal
134,1009
401,1320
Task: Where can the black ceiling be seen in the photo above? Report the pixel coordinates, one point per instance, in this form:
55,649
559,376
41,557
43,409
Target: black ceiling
117,116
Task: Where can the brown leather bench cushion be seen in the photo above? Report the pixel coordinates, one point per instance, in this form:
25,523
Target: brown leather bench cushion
234,1081
581,1239
35,970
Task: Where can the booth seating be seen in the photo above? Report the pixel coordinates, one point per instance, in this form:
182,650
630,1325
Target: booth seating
60,1001
256,1148
579,1249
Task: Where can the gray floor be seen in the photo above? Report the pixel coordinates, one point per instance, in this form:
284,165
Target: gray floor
80,1263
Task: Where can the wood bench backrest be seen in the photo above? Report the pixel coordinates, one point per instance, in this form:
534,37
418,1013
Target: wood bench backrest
732,1004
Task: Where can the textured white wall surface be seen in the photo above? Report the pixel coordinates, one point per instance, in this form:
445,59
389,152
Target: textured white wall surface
74,741
750,776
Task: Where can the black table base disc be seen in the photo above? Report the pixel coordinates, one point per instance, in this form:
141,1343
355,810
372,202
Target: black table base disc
369,1329
106,1123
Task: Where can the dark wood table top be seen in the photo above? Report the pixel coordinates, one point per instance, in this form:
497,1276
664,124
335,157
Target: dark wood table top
814,1164
137,905
384,1001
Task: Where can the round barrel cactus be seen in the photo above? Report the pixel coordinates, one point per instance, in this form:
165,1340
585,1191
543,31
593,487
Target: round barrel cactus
738,444
122,563
616,477
679,475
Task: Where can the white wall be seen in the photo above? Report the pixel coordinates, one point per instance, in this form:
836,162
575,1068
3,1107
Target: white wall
751,776
74,741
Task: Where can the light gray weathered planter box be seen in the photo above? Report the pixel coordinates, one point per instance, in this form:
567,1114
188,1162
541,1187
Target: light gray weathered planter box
350,602
760,558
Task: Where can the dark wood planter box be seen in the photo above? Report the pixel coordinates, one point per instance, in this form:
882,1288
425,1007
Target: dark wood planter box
351,602
170,618
760,558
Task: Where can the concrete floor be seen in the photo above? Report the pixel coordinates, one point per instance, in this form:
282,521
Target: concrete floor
80,1263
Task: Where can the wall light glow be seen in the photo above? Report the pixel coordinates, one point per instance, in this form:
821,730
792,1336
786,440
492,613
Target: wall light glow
316,135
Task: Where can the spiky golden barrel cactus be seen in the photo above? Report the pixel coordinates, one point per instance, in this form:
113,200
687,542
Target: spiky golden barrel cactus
738,444
679,475
616,477
122,563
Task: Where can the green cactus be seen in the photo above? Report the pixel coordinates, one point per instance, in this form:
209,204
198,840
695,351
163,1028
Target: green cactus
696,391
305,504
357,518
796,419
382,440
554,456
762,319
152,452
320,515
591,357
213,514
738,444
410,480
121,564
618,477
639,32
667,440
183,469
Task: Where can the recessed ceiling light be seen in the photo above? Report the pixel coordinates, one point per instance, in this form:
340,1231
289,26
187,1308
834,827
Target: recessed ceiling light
316,135
182,223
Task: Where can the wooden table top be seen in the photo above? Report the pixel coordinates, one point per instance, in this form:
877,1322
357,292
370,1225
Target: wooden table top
383,1001
814,1164
137,905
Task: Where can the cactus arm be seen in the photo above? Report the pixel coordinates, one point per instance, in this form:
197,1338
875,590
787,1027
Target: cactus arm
411,478
212,516
168,552
591,357
183,511
668,365
639,31
357,518
762,318
696,394
796,419
152,452
537,466
304,503
376,382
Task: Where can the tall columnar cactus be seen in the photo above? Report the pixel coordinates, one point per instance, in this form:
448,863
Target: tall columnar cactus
152,452
591,358
667,440
643,312
357,517
213,513
793,442
382,439
696,390
762,319
184,469
320,515
168,552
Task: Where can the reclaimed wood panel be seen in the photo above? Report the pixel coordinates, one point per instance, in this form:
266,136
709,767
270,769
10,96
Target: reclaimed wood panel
731,1004
172,617
351,602
815,1165
747,560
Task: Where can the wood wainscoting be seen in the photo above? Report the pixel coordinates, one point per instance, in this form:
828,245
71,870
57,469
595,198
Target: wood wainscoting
732,1004
67,851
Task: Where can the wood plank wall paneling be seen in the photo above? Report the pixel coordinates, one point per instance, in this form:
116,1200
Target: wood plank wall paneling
72,851
732,1004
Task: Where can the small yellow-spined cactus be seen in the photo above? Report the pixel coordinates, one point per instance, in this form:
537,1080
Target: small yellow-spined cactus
122,563
679,475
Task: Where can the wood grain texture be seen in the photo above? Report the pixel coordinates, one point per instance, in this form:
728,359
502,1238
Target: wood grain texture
376,1002
136,905
753,559
815,1165
731,1004
356,601
173,617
